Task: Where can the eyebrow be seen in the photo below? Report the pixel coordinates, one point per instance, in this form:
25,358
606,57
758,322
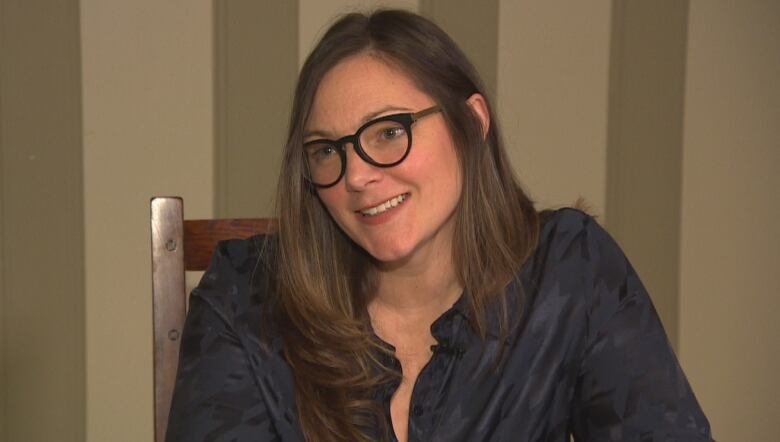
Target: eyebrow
366,118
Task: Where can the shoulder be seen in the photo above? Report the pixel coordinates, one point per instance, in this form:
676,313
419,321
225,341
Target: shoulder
238,284
625,367
232,377
574,237
579,261
570,234
563,227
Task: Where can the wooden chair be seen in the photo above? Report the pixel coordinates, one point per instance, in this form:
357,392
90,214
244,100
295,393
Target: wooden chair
179,245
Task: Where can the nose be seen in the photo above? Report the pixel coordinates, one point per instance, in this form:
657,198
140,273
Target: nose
357,173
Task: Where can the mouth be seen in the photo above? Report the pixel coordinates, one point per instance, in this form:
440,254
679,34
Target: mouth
385,206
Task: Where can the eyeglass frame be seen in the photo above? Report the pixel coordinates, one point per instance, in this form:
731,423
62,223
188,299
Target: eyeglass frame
406,119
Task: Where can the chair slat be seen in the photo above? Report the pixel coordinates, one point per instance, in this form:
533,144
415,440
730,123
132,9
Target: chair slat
202,236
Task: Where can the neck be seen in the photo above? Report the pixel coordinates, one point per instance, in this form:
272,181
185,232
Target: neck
406,305
412,294
432,287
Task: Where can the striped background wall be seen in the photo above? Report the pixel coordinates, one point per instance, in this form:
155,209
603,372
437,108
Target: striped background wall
661,114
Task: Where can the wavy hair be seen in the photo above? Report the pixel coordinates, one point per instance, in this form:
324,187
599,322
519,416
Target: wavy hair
325,280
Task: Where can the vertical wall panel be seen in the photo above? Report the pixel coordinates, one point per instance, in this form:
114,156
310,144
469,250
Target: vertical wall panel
256,65
41,236
148,118
474,27
644,151
553,60
729,303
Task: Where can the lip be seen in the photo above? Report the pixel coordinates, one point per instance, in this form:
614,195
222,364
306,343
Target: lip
383,217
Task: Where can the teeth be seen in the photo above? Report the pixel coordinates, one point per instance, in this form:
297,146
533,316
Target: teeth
392,202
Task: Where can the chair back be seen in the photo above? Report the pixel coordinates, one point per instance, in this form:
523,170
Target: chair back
179,245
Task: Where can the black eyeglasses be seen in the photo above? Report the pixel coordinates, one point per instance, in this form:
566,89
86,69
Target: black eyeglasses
383,142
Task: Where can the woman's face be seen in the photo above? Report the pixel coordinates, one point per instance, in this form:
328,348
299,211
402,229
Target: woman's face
424,188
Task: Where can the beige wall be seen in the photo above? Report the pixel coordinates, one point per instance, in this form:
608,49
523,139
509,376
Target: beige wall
147,76
553,61
730,257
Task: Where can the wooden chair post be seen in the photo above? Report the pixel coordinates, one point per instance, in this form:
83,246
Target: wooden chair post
169,299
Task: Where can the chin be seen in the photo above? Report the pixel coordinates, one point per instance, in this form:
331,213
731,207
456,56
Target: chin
389,253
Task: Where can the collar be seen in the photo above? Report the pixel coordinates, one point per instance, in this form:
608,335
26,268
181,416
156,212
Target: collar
447,328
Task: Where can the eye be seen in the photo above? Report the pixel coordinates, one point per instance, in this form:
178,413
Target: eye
383,134
391,133
324,151
320,152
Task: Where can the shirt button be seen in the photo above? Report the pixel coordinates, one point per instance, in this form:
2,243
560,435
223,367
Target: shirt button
417,410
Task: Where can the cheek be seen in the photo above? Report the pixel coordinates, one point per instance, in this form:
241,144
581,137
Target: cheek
439,165
335,202
331,198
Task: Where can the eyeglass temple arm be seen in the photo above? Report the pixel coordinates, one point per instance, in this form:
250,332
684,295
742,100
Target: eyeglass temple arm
424,112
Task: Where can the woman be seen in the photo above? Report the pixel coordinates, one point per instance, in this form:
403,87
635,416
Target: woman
412,291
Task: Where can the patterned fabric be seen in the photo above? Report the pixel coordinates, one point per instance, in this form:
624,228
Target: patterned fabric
586,356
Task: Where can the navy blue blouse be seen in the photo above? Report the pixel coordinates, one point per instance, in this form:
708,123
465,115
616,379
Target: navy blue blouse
585,356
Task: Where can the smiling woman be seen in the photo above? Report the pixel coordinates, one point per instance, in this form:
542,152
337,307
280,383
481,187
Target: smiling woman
413,292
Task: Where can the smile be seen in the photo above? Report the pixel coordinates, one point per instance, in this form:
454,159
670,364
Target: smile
383,207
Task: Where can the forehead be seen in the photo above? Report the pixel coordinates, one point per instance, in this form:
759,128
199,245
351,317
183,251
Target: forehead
359,86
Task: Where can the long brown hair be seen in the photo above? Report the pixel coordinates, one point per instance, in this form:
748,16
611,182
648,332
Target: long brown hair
325,280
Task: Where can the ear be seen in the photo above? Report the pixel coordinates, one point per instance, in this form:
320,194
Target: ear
479,106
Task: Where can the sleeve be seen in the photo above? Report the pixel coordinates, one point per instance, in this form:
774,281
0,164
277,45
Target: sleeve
216,397
630,385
